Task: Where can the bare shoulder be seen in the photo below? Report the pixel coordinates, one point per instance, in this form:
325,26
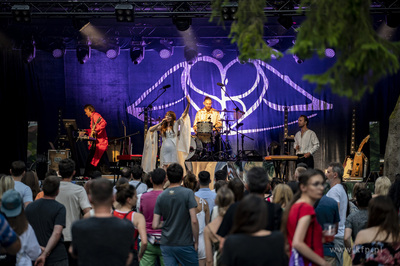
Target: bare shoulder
365,236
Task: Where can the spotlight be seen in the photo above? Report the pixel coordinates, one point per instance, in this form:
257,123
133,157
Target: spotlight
190,53
285,21
113,52
329,52
124,13
28,51
137,52
80,23
297,59
57,49
228,11
182,24
218,53
83,52
167,50
21,13
272,42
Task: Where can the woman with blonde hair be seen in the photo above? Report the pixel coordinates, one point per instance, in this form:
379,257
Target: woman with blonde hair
282,195
224,199
382,186
6,183
202,213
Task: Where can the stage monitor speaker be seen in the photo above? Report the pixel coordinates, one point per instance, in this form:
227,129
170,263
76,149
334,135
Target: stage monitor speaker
55,156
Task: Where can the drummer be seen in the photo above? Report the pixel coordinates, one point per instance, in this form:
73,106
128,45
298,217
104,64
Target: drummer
208,114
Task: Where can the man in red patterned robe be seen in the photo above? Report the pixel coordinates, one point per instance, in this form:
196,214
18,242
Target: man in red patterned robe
98,131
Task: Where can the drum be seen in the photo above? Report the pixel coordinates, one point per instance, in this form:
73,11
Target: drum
205,131
195,147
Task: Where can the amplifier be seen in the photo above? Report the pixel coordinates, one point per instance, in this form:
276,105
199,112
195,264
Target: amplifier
55,156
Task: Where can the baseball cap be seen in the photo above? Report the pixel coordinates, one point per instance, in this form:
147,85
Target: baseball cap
11,203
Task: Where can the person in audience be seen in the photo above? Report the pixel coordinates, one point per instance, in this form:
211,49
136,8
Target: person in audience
31,180
262,247
337,191
353,202
394,192
357,220
9,240
126,197
237,187
220,175
294,182
148,202
47,218
282,195
136,179
17,171
379,243
6,183
257,183
219,184
205,192
146,179
180,228
11,207
223,200
303,232
382,186
102,239
202,213
74,199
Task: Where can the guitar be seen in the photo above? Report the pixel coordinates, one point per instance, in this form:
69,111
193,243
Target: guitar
359,158
93,131
348,162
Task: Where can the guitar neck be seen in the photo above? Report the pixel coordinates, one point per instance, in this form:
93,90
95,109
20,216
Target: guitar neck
353,133
285,128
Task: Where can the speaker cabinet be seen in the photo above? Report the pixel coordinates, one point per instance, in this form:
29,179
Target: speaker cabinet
55,156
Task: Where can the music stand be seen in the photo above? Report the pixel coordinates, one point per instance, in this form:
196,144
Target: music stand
70,123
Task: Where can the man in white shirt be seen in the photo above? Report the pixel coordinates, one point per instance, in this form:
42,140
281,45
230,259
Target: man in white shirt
74,198
306,143
334,175
17,171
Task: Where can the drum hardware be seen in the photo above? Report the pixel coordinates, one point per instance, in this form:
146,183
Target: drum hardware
205,131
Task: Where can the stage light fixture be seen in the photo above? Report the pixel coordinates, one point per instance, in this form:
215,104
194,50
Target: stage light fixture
285,21
137,52
80,23
113,51
297,59
167,49
21,13
124,13
57,48
228,11
218,53
181,23
190,53
329,52
28,51
83,52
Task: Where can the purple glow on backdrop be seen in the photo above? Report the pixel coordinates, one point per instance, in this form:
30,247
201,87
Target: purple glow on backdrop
188,88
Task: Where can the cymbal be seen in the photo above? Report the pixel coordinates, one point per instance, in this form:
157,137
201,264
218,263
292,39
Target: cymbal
227,120
225,111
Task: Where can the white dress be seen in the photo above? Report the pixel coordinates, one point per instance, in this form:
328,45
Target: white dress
201,218
174,149
30,249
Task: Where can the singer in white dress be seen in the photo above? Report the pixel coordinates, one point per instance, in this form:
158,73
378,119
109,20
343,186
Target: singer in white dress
175,141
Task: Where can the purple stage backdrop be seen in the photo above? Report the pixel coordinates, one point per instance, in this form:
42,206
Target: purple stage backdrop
119,90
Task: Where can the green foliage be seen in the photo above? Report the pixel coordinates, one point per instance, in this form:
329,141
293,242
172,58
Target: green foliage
248,30
363,58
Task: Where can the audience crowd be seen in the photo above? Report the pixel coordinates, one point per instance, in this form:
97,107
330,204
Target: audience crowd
167,218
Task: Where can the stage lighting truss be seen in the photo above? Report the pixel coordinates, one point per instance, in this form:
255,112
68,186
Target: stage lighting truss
182,21
21,13
28,50
83,52
228,10
125,13
137,52
167,50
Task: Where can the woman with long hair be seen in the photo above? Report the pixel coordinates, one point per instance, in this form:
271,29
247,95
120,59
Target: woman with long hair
249,242
126,197
12,208
282,195
6,183
299,223
202,213
224,199
379,244
175,141
31,180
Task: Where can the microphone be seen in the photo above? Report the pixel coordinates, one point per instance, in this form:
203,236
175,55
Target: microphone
166,87
220,84
209,118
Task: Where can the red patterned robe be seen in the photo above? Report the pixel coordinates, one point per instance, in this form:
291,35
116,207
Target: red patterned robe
102,139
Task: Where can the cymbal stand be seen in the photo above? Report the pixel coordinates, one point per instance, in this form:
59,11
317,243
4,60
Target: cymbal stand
241,155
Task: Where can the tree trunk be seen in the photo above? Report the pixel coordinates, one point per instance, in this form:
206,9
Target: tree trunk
392,154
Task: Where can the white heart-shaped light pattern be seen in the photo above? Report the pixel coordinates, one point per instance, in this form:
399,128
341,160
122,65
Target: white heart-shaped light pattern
187,84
